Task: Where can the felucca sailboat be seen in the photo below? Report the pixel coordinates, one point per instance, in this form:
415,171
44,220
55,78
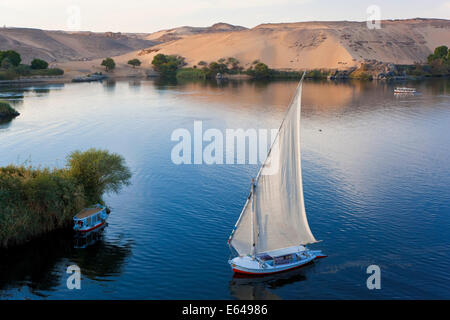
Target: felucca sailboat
272,231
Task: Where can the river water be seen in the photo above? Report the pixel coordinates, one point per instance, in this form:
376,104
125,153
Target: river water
376,173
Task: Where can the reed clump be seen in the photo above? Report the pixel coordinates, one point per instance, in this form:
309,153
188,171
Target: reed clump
7,112
34,201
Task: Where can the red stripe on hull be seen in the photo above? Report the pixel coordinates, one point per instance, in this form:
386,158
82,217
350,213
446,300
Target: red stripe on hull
237,271
95,227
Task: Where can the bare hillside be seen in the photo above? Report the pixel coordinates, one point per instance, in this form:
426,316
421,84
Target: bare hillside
290,46
181,32
312,44
68,46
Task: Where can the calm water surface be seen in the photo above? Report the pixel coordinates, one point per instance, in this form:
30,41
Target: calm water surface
376,179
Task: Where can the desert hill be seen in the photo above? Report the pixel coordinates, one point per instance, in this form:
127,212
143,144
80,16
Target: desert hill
311,44
290,46
181,32
68,46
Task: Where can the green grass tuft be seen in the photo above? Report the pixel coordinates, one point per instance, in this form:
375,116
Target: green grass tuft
191,73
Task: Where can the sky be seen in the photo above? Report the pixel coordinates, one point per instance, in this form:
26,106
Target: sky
150,15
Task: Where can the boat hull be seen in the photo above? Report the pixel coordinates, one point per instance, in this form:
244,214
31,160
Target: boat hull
89,222
405,91
92,228
253,267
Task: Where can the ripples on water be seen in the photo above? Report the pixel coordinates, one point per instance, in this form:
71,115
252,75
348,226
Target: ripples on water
376,179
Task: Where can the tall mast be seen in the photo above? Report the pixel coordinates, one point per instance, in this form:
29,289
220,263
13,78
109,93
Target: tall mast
253,218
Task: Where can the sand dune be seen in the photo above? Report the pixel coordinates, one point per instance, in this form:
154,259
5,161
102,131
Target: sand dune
66,46
182,32
314,44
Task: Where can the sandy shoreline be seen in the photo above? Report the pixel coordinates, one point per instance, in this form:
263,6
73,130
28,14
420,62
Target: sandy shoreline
229,78
63,79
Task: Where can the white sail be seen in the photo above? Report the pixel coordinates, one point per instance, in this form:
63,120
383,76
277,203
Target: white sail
279,218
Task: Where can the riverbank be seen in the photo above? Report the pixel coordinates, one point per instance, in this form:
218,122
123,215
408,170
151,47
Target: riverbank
35,201
66,79
58,79
174,66
401,73
311,75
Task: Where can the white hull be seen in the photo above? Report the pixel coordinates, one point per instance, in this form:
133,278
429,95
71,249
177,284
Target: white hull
405,90
256,266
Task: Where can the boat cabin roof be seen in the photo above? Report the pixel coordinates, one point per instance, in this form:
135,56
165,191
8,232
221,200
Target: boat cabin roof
285,251
88,212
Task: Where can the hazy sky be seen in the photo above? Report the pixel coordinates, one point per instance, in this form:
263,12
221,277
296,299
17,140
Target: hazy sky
152,15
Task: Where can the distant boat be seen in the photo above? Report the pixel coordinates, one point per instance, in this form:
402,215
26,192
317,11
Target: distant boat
91,218
221,77
405,90
90,78
272,231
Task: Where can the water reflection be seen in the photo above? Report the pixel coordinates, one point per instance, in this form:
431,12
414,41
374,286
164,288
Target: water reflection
11,95
40,264
262,288
164,83
319,96
326,95
99,258
85,239
20,91
375,174
109,85
41,92
134,84
5,123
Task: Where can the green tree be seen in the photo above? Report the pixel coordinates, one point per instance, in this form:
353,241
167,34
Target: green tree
233,64
6,64
134,62
12,55
166,65
39,64
98,171
216,67
109,64
439,61
159,60
441,52
260,71
22,70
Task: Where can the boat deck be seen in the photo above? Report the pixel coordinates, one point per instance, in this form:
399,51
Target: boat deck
88,212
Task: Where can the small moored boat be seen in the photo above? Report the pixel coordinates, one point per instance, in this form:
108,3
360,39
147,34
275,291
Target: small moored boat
91,218
272,231
405,90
